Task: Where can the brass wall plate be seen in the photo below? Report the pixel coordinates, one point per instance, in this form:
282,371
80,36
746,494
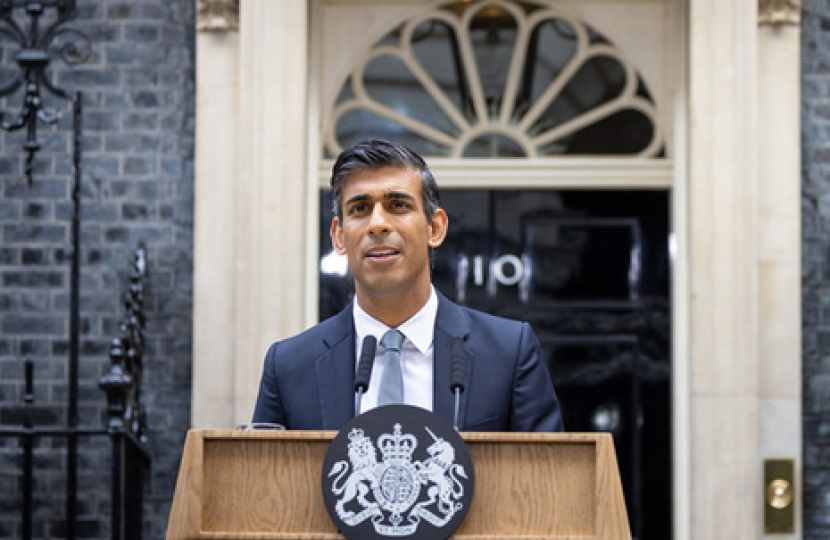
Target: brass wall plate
779,496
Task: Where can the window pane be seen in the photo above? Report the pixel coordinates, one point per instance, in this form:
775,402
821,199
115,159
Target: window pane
465,89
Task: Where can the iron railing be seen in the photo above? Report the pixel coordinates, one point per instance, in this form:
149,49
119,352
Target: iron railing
126,427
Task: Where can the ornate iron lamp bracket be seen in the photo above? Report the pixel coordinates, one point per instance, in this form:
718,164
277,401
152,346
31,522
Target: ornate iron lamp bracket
34,58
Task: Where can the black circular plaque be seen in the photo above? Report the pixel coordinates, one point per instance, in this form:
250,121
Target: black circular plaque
397,472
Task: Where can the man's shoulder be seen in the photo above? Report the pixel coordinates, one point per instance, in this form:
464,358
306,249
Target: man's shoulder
476,320
489,318
317,339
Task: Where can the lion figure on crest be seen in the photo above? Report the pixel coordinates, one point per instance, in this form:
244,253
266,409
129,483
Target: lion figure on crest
363,458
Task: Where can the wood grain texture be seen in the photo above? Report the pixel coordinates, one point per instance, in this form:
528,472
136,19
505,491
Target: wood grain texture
236,485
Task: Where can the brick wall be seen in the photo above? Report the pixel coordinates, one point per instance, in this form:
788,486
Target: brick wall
137,186
815,130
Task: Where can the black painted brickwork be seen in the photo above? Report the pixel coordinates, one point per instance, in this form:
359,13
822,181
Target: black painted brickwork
137,186
815,133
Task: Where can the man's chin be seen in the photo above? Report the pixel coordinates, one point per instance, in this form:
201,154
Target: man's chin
384,287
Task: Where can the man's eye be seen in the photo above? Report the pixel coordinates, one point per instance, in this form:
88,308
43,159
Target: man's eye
357,208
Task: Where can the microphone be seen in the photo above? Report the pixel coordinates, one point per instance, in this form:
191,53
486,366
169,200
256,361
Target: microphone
364,369
457,364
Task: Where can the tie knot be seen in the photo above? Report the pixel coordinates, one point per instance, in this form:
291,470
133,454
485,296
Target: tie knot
392,340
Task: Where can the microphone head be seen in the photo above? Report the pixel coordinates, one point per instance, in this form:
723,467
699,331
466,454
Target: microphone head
458,359
364,366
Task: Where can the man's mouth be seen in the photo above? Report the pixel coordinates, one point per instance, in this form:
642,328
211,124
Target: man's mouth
382,253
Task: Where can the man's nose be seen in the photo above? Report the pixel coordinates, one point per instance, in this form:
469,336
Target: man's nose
379,224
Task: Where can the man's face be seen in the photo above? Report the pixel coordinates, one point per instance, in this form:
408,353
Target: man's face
385,233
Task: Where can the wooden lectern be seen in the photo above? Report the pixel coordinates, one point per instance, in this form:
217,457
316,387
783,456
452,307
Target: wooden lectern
265,485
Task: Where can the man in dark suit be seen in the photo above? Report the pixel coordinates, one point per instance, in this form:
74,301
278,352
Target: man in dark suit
387,219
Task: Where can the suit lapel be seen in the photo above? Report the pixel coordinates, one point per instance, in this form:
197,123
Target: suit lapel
335,373
450,323
335,370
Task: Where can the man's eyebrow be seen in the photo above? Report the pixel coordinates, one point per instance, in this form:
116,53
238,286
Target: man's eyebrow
363,197
357,198
398,195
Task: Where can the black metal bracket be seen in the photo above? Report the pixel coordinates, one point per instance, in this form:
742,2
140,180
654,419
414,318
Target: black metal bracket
34,58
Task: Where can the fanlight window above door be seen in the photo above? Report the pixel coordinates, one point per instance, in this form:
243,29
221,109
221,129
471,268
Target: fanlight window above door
496,79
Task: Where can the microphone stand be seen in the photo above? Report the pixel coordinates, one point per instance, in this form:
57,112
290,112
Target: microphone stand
364,370
457,361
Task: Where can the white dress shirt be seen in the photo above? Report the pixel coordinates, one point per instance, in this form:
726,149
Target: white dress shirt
416,354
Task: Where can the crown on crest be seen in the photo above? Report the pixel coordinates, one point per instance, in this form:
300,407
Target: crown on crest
396,445
356,437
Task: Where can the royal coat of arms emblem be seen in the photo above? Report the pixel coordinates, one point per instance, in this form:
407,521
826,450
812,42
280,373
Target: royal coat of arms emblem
382,481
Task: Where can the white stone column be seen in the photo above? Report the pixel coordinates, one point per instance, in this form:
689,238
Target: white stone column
271,190
251,208
217,65
723,194
779,232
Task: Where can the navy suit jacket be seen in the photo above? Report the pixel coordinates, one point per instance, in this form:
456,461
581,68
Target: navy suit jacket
308,380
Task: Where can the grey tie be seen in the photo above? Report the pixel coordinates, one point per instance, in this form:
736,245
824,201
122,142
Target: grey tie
391,382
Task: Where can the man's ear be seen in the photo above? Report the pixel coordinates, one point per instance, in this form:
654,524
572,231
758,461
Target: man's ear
438,228
337,237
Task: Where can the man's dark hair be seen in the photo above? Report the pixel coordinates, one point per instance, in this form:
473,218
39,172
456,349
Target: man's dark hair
373,154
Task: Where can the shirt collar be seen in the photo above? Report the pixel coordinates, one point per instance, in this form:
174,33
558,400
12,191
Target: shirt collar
418,329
